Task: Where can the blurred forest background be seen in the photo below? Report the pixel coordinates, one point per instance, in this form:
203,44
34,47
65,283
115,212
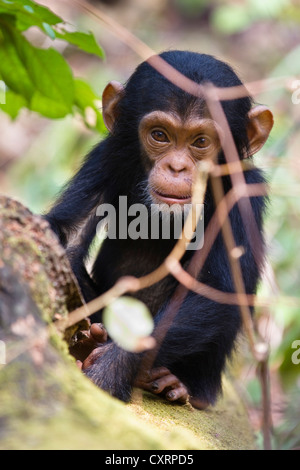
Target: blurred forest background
260,39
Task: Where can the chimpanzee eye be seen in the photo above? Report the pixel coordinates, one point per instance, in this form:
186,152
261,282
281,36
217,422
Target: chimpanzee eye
201,142
159,136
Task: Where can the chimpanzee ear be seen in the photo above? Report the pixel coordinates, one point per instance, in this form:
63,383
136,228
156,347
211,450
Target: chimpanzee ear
259,127
111,96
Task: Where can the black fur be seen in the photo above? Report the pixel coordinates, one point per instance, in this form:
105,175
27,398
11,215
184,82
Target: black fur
203,332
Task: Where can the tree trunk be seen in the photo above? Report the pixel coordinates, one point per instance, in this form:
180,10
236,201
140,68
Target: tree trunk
45,401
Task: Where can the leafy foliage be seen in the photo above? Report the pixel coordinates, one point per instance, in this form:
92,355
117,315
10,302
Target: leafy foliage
41,79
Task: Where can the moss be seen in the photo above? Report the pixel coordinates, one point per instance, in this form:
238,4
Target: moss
61,409
45,401
224,426
25,257
53,406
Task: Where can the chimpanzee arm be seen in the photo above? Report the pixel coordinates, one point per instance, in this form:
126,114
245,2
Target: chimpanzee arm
81,197
77,254
73,218
115,370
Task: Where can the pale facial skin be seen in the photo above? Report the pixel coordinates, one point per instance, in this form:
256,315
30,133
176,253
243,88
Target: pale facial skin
173,147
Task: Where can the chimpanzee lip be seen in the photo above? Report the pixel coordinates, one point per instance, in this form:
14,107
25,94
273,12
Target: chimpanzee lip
173,198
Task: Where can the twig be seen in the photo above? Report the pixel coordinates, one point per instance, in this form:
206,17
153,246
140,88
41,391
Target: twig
132,284
213,97
260,351
175,77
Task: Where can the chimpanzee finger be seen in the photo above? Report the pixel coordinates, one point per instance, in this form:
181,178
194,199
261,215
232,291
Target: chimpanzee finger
92,358
161,381
86,341
157,373
167,381
146,377
98,333
178,394
178,391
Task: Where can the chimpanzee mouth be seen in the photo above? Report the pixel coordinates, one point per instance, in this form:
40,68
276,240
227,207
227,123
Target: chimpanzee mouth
173,198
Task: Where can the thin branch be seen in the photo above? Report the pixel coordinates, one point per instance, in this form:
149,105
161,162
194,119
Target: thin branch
207,291
132,284
175,77
260,351
239,191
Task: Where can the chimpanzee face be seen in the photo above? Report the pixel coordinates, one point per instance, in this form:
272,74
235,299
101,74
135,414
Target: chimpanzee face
172,143
171,147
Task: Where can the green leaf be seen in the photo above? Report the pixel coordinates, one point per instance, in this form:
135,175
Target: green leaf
28,8
52,77
2,92
28,13
13,104
49,30
85,95
48,107
84,41
86,100
12,69
128,321
42,76
41,79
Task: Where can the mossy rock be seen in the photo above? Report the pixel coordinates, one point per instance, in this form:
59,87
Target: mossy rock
223,427
45,401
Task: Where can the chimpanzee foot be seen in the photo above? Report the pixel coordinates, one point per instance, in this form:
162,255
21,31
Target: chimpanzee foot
161,381
91,344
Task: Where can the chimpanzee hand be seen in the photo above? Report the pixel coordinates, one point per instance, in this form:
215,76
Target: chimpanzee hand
90,345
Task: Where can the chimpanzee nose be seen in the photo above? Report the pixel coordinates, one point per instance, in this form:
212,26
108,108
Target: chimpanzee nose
178,164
